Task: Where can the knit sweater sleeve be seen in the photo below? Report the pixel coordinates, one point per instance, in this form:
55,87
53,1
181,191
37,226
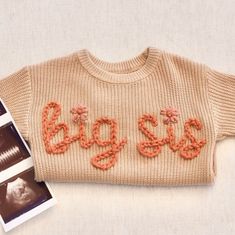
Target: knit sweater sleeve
221,89
15,91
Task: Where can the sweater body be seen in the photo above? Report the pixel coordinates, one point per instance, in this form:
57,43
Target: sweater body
143,121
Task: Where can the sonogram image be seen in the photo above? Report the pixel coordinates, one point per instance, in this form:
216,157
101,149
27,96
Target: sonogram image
12,148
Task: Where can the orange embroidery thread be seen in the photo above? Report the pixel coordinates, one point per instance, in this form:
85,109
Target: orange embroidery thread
171,117
50,129
154,142
192,150
110,154
80,118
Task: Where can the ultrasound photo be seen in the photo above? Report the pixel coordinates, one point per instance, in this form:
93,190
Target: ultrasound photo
20,194
2,109
21,197
12,148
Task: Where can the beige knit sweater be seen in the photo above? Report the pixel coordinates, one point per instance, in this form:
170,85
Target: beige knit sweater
153,119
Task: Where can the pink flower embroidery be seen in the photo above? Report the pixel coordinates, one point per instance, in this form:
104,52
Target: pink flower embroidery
171,115
79,113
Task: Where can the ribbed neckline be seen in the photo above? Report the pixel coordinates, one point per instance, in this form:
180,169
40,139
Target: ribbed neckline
126,71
